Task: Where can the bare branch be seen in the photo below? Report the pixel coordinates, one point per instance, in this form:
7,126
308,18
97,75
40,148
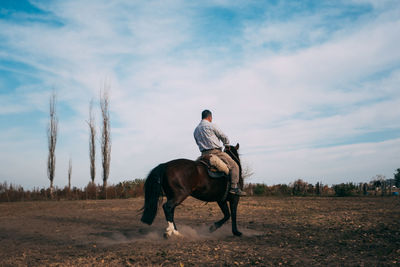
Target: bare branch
247,171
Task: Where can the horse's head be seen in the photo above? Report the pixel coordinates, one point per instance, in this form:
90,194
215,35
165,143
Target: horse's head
233,152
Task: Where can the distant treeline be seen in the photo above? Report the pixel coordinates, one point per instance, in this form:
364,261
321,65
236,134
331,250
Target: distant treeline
302,188
134,188
126,189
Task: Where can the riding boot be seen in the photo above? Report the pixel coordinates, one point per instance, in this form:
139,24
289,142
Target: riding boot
236,191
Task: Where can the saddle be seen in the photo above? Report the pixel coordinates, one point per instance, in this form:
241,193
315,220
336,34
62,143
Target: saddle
216,169
215,166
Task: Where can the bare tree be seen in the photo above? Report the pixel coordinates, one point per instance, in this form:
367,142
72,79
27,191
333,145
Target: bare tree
52,140
105,135
69,174
247,171
92,142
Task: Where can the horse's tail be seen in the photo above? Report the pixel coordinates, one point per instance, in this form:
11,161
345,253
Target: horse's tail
152,192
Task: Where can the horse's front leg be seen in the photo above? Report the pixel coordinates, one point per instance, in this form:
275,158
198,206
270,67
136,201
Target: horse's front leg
233,203
225,210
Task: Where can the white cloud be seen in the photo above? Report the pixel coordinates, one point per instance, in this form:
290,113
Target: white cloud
279,106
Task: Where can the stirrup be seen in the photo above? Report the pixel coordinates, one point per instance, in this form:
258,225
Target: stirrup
237,191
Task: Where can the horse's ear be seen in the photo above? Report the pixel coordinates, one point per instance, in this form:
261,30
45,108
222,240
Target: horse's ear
237,146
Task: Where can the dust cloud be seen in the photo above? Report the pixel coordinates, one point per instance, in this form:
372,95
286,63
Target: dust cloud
156,234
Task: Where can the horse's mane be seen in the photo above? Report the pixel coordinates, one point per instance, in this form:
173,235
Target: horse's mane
232,151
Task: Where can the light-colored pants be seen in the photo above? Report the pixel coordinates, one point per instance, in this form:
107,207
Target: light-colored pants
232,165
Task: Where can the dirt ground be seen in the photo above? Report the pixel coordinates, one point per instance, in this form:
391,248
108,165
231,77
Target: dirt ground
276,231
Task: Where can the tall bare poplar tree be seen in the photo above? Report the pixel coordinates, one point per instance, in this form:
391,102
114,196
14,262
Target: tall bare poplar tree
69,174
92,142
105,135
52,140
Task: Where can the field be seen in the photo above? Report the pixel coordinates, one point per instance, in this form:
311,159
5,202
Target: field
277,231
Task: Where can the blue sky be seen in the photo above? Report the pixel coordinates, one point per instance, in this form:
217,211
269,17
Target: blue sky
308,88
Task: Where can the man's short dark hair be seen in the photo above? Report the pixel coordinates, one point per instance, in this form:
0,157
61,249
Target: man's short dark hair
205,114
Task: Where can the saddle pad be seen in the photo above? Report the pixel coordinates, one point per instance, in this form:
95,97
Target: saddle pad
216,174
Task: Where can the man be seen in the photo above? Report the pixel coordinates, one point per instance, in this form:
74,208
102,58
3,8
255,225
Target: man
208,138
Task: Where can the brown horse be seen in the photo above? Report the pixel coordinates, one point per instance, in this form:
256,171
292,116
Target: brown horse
181,178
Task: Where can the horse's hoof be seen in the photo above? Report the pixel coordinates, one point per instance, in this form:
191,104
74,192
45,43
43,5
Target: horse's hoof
213,228
166,235
237,233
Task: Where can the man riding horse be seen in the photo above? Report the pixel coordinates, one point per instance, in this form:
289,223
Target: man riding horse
180,178
208,137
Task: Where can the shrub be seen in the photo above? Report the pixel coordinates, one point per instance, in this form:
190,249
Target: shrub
259,189
343,190
299,188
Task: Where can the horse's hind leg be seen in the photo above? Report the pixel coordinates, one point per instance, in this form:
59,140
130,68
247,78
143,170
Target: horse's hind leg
224,207
169,209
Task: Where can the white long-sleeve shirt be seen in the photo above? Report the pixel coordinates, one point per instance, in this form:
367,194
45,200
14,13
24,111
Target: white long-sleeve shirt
208,136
